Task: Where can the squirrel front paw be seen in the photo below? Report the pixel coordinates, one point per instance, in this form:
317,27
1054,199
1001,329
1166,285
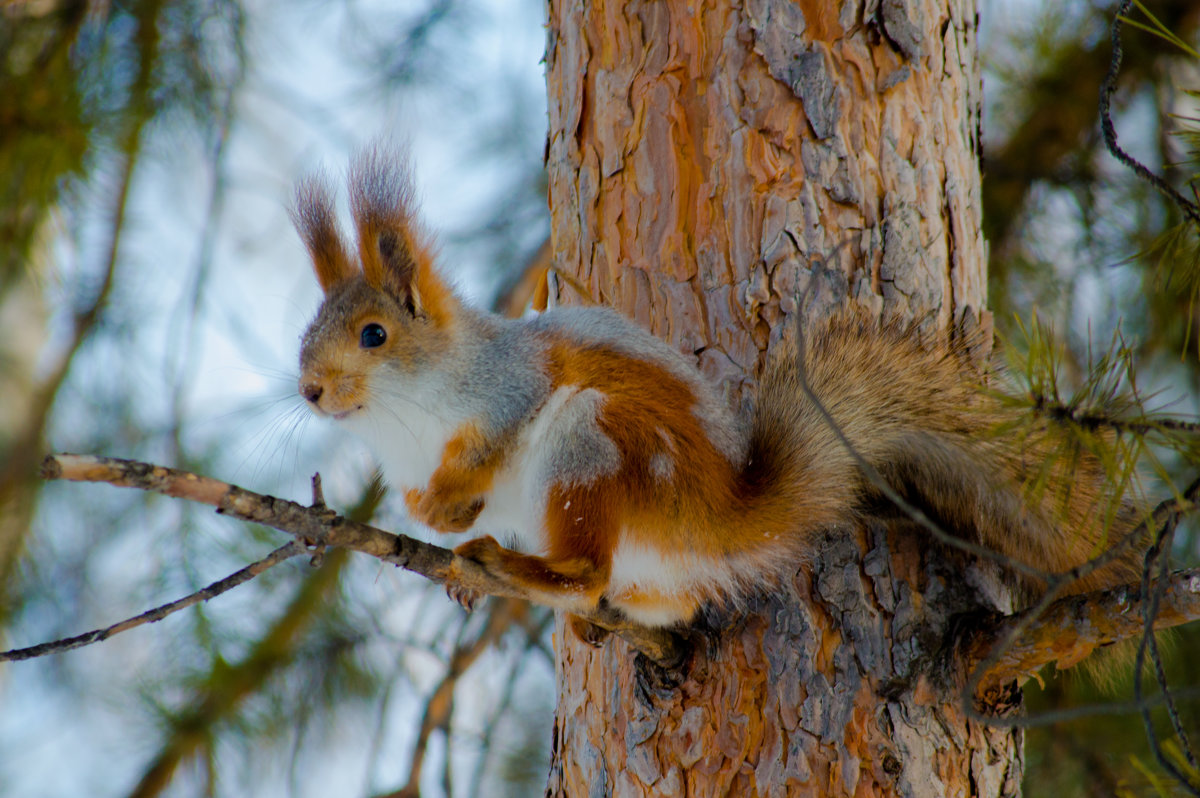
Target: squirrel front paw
485,551
441,512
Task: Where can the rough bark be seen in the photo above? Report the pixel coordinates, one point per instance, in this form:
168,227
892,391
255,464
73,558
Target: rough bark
709,166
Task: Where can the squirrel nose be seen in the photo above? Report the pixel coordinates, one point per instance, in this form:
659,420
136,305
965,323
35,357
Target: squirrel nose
311,391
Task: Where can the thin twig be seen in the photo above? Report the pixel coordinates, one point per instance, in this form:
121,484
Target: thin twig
1156,657
1107,89
242,576
1156,586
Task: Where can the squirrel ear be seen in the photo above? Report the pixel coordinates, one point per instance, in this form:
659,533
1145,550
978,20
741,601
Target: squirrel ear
388,245
398,269
314,218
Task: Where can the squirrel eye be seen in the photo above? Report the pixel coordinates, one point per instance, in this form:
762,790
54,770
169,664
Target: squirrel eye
372,335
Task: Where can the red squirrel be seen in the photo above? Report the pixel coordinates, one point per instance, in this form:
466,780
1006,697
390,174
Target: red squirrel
607,464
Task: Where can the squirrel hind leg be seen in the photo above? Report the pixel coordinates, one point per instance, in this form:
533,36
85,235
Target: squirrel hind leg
568,583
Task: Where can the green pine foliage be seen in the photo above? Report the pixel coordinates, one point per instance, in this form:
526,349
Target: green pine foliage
1116,373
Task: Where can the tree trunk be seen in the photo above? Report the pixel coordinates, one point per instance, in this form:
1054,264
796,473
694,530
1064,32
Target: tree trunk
710,165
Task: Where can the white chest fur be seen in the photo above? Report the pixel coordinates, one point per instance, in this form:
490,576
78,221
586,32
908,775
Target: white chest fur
407,431
515,511
408,434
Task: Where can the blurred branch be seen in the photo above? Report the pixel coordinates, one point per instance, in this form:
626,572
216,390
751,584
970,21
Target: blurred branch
229,684
44,132
1060,112
20,462
239,577
19,467
528,287
318,526
535,625
186,346
440,704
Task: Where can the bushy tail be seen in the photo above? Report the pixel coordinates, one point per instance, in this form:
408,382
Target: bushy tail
917,414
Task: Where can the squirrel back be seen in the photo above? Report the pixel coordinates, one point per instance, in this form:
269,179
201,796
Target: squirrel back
607,464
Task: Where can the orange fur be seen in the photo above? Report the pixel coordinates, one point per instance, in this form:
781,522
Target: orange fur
705,507
568,583
456,491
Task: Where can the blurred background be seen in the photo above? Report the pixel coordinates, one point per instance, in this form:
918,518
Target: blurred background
152,295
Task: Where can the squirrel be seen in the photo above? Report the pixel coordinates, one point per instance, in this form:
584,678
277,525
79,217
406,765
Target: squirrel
612,469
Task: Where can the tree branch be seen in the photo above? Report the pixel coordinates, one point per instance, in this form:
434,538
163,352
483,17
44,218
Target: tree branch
242,576
1007,634
191,730
318,526
1186,206
1072,627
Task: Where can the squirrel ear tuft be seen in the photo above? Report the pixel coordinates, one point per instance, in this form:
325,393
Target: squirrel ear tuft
399,269
382,204
314,217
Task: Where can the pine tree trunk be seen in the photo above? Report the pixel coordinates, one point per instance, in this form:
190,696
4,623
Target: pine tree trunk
710,165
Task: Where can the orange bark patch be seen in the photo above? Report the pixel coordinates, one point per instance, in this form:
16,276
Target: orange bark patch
820,20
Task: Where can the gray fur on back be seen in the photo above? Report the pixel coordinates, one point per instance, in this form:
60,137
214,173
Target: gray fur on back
499,378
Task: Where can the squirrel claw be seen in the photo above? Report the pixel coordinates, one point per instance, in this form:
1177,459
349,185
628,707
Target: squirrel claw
465,597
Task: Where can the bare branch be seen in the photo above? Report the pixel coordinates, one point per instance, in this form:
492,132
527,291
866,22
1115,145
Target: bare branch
1073,627
1014,628
322,527
158,613
1186,206
1156,586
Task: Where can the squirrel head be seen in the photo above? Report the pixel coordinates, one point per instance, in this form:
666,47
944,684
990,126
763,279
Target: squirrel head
386,315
